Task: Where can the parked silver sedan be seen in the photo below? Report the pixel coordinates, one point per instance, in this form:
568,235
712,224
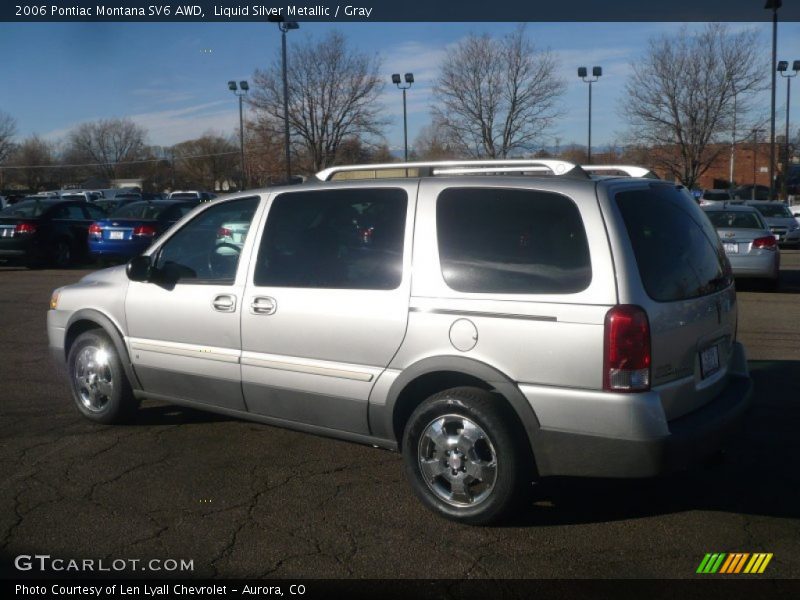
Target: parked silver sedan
749,244
780,220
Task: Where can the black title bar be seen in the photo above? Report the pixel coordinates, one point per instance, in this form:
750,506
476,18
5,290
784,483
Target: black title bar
394,10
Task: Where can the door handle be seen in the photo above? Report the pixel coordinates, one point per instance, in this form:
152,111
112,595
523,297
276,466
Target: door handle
263,305
224,303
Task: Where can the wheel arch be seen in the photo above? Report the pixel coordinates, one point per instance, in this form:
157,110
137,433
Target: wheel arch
87,319
435,374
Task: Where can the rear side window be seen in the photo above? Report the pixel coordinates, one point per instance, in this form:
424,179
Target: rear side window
677,250
512,242
344,239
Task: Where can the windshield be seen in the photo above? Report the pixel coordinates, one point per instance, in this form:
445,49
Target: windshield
184,196
773,210
140,210
734,220
26,209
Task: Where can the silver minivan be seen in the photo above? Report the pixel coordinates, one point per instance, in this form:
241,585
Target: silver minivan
495,321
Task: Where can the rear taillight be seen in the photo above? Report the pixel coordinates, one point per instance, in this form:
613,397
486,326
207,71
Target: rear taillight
95,230
626,351
144,231
24,228
765,243
224,232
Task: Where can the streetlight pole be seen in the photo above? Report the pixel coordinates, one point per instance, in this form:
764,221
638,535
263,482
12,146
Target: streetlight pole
733,142
755,150
285,26
596,73
773,5
244,87
782,68
409,79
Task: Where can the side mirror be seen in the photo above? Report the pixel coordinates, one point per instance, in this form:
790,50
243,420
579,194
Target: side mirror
139,268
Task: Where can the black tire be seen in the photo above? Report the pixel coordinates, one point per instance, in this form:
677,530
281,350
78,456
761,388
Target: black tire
478,501
100,389
62,254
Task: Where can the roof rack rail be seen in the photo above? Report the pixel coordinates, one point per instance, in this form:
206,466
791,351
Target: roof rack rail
455,167
629,170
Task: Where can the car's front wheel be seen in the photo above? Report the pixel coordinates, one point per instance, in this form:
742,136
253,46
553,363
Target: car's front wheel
100,388
463,458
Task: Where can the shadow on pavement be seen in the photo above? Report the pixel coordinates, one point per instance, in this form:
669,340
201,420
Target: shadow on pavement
758,474
174,415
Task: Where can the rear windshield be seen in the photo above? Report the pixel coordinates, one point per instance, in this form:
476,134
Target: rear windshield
140,210
677,250
27,209
722,219
773,210
184,196
511,241
716,196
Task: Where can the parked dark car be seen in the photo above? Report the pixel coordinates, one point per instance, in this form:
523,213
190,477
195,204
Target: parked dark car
131,229
745,192
45,231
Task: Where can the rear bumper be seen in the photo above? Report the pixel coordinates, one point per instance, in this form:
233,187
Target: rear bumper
764,265
123,249
691,439
681,443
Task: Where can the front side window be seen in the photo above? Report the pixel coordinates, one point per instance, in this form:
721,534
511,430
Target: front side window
345,239
196,253
508,241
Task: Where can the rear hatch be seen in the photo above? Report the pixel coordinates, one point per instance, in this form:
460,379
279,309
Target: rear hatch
686,290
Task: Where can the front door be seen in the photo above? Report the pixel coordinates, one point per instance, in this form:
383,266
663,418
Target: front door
326,303
183,327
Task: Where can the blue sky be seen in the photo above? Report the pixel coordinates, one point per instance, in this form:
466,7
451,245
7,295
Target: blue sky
171,77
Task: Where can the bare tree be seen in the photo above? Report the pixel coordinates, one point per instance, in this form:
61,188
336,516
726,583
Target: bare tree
8,128
680,98
433,143
206,162
333,96
496,97
108,144
33,160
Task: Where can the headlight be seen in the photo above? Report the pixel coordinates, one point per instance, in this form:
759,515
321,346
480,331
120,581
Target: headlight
54,299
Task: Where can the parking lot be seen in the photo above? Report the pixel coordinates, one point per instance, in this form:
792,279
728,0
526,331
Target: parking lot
249,500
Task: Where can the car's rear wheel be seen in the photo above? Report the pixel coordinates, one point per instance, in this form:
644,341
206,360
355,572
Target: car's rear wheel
99,385
462,456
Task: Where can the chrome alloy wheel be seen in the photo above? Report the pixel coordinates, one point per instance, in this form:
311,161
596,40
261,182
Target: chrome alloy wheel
93,378
457,460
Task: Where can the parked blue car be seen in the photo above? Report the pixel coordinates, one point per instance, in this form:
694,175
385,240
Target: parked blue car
132,228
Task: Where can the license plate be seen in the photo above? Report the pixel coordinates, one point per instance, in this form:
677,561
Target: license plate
709,361
777,236
731,248
116,235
